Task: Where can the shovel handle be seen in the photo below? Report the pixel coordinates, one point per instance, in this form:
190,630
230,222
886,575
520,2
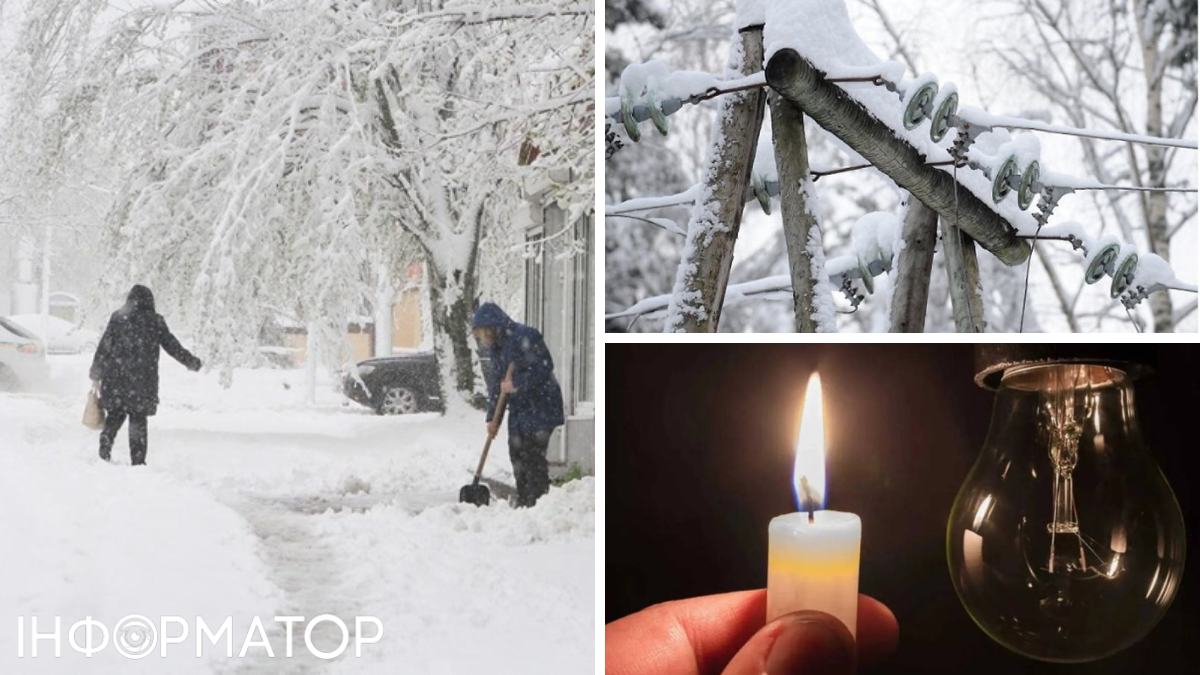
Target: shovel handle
499,416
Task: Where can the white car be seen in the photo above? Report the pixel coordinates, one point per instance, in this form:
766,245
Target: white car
22,360
64,336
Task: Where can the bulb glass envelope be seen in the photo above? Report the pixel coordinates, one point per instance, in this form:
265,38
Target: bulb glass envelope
1065,542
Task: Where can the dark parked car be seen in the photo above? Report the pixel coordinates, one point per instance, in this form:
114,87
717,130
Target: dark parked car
396,385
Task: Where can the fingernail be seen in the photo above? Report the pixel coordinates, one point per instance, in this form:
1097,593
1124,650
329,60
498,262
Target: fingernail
809,647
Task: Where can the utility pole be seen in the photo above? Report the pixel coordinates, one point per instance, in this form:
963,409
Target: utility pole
966,295
913,268
800,222
716,218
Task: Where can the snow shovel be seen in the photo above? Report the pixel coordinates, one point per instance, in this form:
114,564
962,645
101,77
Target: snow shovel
475,493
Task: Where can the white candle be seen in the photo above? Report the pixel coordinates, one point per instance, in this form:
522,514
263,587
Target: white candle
813,565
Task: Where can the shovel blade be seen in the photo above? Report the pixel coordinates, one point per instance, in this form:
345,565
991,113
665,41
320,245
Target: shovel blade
474,494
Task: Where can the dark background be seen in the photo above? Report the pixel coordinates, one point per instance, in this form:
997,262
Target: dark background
701,445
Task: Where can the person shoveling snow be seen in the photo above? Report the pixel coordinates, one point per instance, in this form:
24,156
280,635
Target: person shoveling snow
535,403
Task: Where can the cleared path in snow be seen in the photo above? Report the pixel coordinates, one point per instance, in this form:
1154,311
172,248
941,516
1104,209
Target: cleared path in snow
301,565
303,561
257,505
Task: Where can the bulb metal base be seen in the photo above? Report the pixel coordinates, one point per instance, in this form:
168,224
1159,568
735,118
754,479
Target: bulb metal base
993,360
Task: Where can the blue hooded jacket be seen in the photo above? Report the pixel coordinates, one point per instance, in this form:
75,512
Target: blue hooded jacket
537,404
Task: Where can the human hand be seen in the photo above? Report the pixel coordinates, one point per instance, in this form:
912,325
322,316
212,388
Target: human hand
506,386
725,633
493,427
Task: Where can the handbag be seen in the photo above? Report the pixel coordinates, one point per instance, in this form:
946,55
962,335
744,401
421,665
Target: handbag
93,414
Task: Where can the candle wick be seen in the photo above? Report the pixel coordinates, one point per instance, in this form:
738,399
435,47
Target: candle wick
808,498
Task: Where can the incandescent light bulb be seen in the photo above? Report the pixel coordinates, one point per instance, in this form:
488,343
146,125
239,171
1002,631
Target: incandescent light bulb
1065,542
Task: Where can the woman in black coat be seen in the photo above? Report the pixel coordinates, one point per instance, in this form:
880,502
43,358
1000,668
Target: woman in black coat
125,370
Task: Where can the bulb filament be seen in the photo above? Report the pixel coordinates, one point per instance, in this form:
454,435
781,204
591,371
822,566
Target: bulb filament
1064,429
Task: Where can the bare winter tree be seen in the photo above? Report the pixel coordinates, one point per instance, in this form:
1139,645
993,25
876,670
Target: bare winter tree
1127,65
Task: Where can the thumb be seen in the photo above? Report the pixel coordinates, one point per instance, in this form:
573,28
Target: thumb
801,643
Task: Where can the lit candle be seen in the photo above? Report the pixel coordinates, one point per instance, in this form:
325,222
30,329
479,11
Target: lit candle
813,560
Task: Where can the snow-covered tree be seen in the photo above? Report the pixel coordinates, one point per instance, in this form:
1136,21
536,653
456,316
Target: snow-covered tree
293,156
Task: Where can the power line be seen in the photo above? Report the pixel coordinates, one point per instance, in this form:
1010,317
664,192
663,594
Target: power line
1131,188
995,121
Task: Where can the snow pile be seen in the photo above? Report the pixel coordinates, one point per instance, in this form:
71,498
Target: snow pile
653,81
992,149
841,265
462,588
1072,231
84,538
750,13
253,504
821,30
1153,271
876,236
1069,181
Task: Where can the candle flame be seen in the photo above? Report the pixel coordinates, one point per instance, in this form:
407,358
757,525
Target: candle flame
810,447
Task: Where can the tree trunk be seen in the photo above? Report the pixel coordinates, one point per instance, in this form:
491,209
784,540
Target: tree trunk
913,268
716,218
452,328
791,158
1154,204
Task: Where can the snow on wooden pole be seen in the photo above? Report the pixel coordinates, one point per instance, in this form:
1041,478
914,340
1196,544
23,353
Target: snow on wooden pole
962,266
708,254
791,160
830,106
913,268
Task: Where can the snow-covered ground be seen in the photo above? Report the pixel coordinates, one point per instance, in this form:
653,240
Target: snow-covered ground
254,504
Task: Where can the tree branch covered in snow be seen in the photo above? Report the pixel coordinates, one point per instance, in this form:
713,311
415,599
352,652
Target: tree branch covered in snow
299,153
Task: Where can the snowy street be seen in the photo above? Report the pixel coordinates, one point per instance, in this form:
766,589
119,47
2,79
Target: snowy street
256,504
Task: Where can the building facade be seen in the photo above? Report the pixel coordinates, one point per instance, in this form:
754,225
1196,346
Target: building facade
560,302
